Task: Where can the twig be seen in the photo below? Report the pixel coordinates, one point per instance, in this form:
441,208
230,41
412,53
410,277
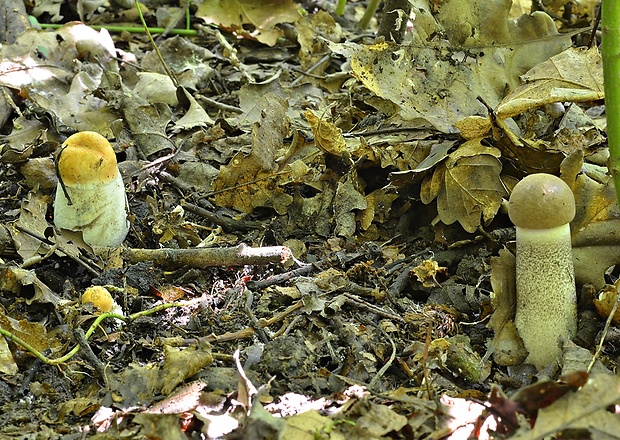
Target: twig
36,259
208,257
373,308
387,365
89,265
311,69
220,105
262,323
281,278
610,318
231,53
182,186
252,317
228,224
87,352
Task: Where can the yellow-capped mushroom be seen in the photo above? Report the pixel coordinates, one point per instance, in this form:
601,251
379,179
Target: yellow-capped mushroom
90,196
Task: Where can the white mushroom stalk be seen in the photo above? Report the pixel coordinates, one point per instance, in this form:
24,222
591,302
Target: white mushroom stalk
541,207
90,196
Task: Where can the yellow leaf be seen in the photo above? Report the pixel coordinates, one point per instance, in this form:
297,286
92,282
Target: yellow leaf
327,136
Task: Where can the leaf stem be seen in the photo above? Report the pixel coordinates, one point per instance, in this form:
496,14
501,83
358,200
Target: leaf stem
39,355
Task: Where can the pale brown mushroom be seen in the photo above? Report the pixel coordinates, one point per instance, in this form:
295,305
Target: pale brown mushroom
541,206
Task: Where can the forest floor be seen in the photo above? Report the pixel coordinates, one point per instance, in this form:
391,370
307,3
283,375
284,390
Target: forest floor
325,236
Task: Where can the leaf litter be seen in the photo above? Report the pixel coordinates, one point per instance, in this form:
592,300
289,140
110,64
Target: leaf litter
318,243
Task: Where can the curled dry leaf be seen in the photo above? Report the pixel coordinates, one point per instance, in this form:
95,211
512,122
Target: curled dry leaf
467,186
575,75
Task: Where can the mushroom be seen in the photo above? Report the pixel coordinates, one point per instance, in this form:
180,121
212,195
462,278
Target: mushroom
102,299
90,196
541,207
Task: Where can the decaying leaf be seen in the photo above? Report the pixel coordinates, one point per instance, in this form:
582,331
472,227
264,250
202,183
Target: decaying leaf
172,225
179,364
14,279
427,272
441,85
586,409
463,361
378,207
596,245
31,218
575,75
32,333
506,346
195,115
7,363
312,31
250,181
327,136
43,64
467,186
605,302
262,15
347,201
146,121
434,154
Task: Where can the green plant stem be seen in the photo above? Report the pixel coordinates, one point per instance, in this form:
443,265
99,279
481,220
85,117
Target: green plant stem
10,336
368,14
610,47
132,29
340,7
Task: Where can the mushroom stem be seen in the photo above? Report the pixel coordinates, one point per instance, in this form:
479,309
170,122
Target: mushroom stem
541,206
546,296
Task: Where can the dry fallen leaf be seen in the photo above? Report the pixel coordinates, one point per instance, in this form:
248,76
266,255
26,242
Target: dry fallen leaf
327,136
596,245
347,200
8,366
441,84
467,186
506,347
575,75
251,181
585,409
262,15
42,63
33,333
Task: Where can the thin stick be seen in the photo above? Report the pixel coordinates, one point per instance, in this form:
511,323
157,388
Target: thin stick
169,72
209,257
608,322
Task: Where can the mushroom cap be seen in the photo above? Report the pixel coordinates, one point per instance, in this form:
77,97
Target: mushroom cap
100,297
541,201
85,158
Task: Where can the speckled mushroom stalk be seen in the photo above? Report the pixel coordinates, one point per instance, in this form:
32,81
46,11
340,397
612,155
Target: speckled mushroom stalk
541,207
90,196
